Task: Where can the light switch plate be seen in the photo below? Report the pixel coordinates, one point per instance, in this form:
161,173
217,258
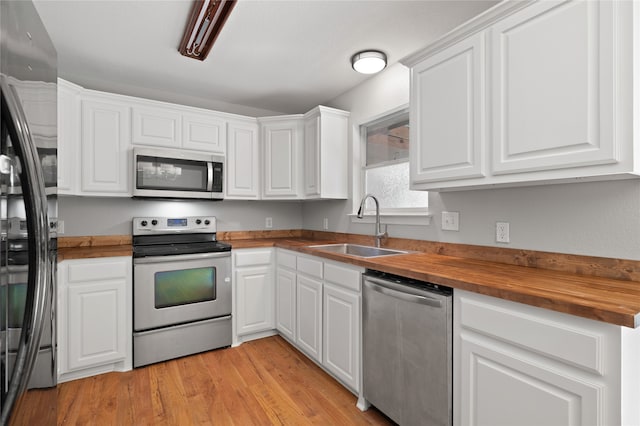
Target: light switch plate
451,221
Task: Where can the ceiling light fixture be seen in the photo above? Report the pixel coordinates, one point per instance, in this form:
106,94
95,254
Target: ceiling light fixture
206,21
369,61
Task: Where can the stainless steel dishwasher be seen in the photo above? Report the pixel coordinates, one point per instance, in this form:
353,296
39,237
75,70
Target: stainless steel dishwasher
407,349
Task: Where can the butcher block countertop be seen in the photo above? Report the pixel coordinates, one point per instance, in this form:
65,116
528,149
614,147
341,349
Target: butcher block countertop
601,289
94,246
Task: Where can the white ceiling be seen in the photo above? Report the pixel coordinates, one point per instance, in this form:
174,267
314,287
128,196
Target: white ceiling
284,56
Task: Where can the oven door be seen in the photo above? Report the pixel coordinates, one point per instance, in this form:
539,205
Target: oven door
179,289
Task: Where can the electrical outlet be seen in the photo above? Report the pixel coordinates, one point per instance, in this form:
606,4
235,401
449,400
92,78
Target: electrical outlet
60,227
325,223
451,221
268,223
502,232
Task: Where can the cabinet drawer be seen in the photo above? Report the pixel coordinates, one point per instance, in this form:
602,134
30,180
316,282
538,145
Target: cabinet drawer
252,258
310,266
345,277
82,271
574,341
288,260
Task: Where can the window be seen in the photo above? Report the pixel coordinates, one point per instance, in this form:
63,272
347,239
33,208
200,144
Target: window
385,172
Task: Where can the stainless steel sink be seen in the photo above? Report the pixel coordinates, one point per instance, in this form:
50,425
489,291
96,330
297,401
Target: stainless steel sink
358,250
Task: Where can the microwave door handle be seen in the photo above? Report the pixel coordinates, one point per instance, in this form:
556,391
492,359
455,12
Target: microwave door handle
209,176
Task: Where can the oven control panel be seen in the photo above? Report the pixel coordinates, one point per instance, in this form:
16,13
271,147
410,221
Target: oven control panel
169,225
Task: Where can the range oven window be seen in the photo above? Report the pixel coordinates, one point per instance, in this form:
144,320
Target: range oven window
12,305
184,286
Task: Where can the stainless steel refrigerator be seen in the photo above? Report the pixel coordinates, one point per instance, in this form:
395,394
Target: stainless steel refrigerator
28,208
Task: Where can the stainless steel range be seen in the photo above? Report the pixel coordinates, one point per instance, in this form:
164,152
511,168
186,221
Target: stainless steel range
181,288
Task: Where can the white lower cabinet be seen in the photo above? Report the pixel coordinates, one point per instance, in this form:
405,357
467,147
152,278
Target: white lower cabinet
309,316
94,324
286,295
341,338
253,293
519,365
318,309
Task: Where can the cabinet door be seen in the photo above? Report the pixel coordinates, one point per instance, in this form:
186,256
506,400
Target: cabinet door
98,317
501,387
156,126
38,100
309,316
243,161
447,101
254,291
553,89
512,359
281,151
105,147
312,156
68,138
204,132
286,303
341,334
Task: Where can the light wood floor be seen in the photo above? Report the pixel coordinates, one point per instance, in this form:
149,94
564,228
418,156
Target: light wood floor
261,382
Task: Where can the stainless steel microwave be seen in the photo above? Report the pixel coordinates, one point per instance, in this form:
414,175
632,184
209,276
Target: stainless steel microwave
171,173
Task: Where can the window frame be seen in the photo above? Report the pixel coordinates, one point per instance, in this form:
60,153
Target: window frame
399,215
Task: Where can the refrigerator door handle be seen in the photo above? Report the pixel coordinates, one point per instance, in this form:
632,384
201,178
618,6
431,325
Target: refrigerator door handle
38,287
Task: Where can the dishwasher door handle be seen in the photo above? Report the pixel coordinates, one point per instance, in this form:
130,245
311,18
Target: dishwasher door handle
379,286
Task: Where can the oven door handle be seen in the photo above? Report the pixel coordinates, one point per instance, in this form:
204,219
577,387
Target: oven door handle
179,257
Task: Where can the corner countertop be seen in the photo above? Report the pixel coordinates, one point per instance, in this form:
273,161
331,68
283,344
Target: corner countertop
603,299
614,301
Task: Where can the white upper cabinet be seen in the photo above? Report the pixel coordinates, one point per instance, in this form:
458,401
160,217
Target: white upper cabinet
180,127
38,99
552,94
68,138
106,145
282,156
204,132
288,157
447,131
155,126
326,153
243,160
553,88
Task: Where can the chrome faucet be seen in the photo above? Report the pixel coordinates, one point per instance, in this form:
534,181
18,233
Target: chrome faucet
379,233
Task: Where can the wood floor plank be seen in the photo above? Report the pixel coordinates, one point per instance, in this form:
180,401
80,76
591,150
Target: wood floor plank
263,382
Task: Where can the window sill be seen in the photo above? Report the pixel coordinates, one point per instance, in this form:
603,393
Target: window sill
421,219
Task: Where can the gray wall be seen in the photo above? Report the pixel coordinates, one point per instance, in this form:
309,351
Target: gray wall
596,219
108,216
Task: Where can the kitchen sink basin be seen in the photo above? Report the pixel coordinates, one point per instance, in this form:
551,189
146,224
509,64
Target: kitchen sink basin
358,250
